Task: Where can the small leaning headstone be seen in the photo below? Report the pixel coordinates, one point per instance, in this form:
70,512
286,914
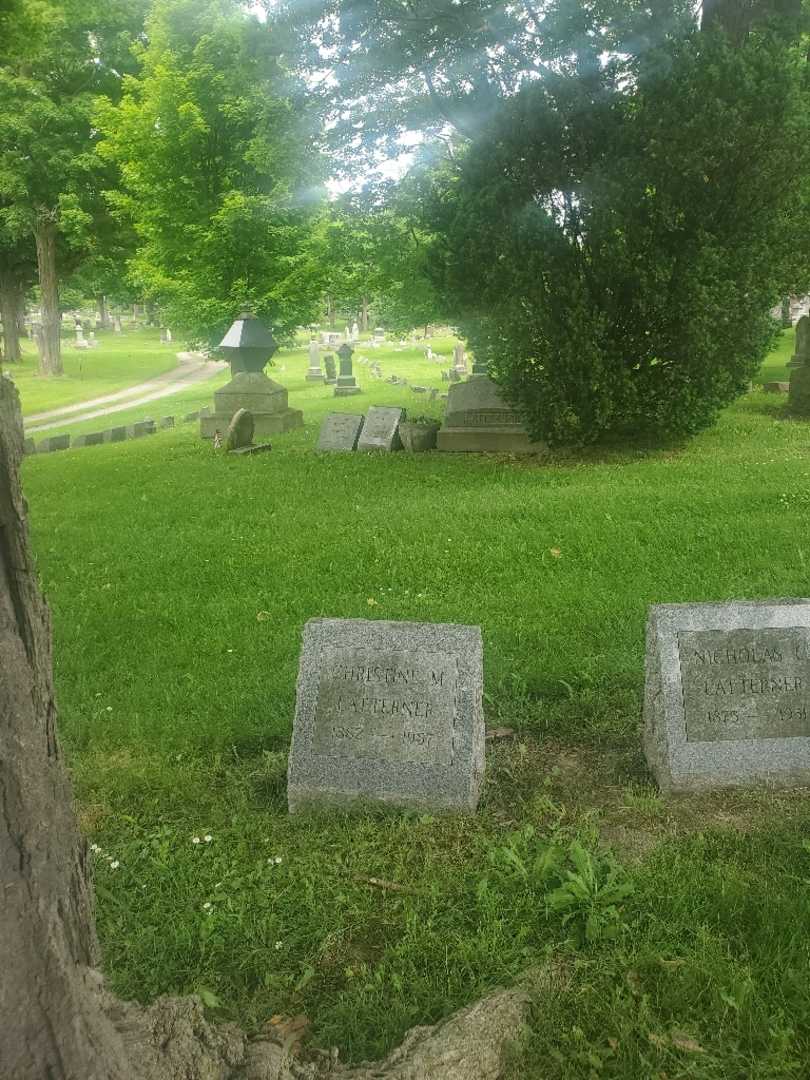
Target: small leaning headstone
340,431
388,712
727,694
381,429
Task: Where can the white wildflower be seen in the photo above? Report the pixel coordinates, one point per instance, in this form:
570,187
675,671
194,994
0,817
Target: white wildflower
195,839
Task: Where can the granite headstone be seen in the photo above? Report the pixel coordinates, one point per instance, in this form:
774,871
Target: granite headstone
340,431
727,696
388,712
381,429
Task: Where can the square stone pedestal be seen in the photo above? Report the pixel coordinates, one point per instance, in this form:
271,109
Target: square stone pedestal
264,399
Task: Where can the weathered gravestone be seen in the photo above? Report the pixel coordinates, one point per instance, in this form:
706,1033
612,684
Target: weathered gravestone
388,712
331,370
340,431
166,422
314,373
381,429
479,419
727,696
240,430
95,438
53,442
116,434
799,392
346,382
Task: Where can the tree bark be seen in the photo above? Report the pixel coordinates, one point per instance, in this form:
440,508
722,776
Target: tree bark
364,314
50,360
103,312
10,296
58,1022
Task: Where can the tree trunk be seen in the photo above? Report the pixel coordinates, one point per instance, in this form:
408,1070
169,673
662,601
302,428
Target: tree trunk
330,312
103,313
58,1021
364,314
50,360
10,294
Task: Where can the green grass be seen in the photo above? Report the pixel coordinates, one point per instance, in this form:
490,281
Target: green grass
120,360
180,580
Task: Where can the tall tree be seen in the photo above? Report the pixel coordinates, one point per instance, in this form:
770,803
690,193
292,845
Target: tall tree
220,176
64,54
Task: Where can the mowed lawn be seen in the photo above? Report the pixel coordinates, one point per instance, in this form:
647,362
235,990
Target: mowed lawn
180,580
119,361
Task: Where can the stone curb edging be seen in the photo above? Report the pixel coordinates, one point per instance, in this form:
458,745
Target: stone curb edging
137,430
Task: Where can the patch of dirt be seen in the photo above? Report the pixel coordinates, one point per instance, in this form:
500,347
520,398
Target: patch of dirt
545,780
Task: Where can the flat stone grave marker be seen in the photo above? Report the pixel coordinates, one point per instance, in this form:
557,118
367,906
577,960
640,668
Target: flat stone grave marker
95,438
388,712
340,431
116,434
727,696
54,442
381,429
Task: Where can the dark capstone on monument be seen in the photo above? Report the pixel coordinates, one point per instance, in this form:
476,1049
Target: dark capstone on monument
340,431
381,429
727,695
388,712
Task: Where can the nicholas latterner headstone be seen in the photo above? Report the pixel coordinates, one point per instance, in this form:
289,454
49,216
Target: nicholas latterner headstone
388,712
727,695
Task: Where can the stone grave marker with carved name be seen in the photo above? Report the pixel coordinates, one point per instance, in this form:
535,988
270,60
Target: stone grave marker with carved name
340,431
727,695
381,429
388,712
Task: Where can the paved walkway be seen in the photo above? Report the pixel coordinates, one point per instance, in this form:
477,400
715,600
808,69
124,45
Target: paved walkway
193,368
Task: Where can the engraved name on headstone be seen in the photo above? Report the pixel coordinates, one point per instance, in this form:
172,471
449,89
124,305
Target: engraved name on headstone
388,712
727,697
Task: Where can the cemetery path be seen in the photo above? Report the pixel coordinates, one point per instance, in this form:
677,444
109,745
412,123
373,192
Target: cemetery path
193,368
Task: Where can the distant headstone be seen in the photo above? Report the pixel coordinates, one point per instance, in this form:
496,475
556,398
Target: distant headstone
314,374
331,370
116,434
727,697
95,438
799,395
381,429
346,383
190,416
168,336
53,442
29,446
776,387
240,430
379,334
460,359
166,422
143,427
390,713
355,332
478,419
340,431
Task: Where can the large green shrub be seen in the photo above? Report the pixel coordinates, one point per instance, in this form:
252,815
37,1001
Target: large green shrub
614,241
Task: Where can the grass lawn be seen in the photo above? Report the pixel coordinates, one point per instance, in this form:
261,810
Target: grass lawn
120,360
180,580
